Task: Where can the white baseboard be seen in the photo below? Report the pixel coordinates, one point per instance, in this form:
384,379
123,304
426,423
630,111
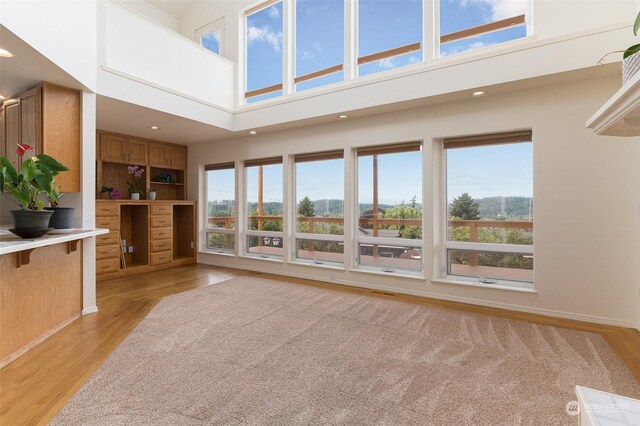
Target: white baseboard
468,300
90,310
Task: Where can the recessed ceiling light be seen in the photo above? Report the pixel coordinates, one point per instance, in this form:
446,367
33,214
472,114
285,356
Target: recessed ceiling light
5,54
154,127
478,93
343,116
253,132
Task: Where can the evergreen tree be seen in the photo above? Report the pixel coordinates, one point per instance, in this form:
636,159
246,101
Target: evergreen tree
465,208
306,208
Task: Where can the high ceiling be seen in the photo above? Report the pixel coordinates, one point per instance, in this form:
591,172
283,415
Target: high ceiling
175,8
27,68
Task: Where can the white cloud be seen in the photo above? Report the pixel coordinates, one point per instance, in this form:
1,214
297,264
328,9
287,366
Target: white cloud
274,13
461,48
386,64
307,55
500,9
264,34
317,47
413,60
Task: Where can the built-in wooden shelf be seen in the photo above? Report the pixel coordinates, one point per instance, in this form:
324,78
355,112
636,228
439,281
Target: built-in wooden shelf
620,115
167,183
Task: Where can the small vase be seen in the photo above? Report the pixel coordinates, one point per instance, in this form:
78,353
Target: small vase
151,195
135,195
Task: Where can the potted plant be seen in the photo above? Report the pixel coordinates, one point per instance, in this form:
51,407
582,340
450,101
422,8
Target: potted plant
631,57
151,194
62,217
134,187
27,186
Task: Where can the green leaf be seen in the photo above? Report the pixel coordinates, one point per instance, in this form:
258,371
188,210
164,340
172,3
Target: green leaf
11,172
636,25
51,164
631,50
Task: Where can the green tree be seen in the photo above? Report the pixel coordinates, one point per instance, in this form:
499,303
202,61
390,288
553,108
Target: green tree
306,208
465,208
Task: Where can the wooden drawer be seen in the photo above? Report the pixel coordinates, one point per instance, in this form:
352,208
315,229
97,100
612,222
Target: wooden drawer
161,234
161,209
107,265
112,223
161,221
107,239
160,258
107,252
107,209
162,245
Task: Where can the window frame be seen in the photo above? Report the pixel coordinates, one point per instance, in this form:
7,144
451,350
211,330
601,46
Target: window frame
312,157
222,231
384,149
217,25
430,44
286,48
245,233
445,275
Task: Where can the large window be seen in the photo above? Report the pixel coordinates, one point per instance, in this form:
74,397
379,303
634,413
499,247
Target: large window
221,207
389,233
389,34
264,207
469,25
264,51
490,207
319,43
320,207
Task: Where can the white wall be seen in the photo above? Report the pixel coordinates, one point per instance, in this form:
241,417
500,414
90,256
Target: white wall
64,31
151,54
585,224
151,12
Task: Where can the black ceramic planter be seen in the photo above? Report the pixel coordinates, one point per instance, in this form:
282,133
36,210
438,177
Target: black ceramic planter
31,219
62,217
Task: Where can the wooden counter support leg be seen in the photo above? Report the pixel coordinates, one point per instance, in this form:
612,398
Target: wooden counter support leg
23,257
72,246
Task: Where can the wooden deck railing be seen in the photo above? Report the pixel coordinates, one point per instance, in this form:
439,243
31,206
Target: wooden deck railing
473,225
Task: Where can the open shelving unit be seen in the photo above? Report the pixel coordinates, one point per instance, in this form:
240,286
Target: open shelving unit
134,228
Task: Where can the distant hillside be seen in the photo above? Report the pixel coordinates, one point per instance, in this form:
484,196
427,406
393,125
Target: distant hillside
515,208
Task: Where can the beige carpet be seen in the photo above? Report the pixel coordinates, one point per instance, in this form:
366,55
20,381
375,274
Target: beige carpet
257,351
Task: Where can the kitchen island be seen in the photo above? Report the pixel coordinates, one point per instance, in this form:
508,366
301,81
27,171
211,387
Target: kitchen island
40,288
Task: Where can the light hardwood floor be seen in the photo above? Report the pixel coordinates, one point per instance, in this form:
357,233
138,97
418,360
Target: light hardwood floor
36,386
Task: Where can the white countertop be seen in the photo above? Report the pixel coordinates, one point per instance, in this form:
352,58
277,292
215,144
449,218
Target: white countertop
10,243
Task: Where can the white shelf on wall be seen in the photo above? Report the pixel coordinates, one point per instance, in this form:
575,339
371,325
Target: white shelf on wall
620,115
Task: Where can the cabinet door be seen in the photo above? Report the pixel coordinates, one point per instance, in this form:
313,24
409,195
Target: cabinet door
137,152
12,130
178,156
158,155
31,119
112,149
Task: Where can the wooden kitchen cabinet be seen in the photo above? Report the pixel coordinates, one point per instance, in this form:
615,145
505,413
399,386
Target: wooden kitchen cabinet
178,157
167,156
12,130
122,150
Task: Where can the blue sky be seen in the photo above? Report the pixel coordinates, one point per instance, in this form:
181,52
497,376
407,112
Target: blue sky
383,24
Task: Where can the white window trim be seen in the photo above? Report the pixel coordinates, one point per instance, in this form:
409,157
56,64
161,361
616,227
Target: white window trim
430,44
398,242
319,237
217,25
444,277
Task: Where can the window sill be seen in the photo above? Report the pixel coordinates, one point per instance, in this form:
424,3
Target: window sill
499,285
264,259
224,253
333,267
378,272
